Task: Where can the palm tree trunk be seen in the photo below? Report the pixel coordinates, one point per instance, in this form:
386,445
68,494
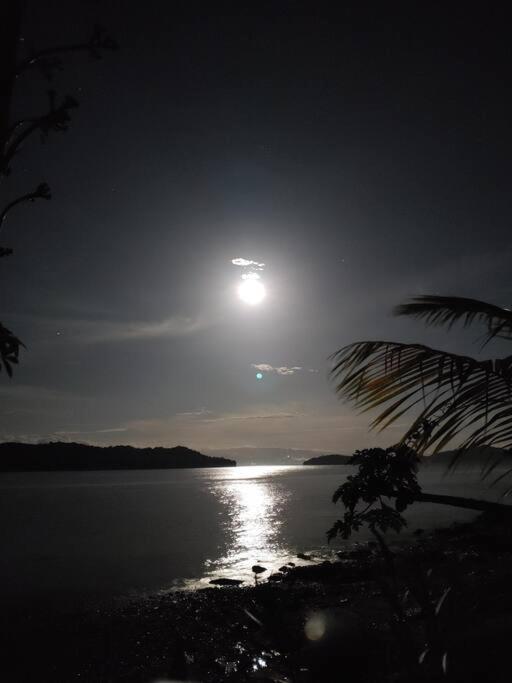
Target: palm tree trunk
461,502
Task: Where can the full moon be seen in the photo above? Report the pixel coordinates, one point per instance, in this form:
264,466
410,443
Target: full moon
251,292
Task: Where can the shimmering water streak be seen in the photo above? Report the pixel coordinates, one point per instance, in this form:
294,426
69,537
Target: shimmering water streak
255,500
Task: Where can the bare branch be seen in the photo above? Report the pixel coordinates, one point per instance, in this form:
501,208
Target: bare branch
56,119
17,124
42,191
49,59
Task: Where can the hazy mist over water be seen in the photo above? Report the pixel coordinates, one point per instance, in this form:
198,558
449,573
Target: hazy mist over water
89,535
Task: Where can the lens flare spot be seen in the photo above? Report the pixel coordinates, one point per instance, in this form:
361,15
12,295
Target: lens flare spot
259,375
315,627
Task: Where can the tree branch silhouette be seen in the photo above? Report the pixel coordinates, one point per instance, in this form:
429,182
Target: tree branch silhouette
14,135
9,349
42,191
57,119
48,60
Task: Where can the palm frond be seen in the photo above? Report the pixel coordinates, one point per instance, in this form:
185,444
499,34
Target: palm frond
452,396
447,310
9,349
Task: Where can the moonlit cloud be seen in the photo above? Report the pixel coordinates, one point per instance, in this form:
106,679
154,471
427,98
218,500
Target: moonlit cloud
71,432
209,416
172,327
263,367
282,370
246,263
270,416
287,371
197,414
101,331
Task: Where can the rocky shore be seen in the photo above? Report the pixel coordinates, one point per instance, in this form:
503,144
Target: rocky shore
441,611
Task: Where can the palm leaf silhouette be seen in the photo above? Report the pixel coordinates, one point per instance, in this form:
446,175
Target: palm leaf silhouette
446,310
9,349
452,396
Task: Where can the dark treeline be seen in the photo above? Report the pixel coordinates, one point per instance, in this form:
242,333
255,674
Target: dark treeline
77,456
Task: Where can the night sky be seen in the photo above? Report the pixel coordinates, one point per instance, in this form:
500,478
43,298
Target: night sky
363,156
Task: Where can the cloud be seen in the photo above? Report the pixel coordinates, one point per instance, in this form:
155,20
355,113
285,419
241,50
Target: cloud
282,370
270,416
263,367
92,332
287,371
111,430
208,416
246,263
195,414
98,328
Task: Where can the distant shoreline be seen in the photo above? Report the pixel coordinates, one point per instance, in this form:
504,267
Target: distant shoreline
74,457
331,459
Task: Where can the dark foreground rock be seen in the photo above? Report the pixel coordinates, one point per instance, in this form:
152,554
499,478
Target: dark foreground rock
226,582
322,622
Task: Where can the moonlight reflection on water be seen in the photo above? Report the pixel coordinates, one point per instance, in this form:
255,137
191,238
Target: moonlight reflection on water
255,501
110,533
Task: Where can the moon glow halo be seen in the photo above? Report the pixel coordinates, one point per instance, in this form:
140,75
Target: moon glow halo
251,291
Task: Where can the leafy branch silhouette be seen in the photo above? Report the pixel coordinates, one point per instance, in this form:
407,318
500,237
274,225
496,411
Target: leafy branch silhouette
383,474
13,136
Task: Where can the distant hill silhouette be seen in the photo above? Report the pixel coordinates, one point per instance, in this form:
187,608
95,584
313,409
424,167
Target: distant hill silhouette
470,459
331,459
76,456
473,458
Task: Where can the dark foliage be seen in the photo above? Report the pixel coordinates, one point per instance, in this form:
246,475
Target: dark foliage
77,456
383,474
447,310
9,349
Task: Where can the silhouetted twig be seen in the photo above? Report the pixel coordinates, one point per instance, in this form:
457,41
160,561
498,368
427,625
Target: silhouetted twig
49,59
57,119
42,191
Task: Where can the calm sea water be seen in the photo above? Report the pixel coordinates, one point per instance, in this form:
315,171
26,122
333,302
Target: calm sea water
95,534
